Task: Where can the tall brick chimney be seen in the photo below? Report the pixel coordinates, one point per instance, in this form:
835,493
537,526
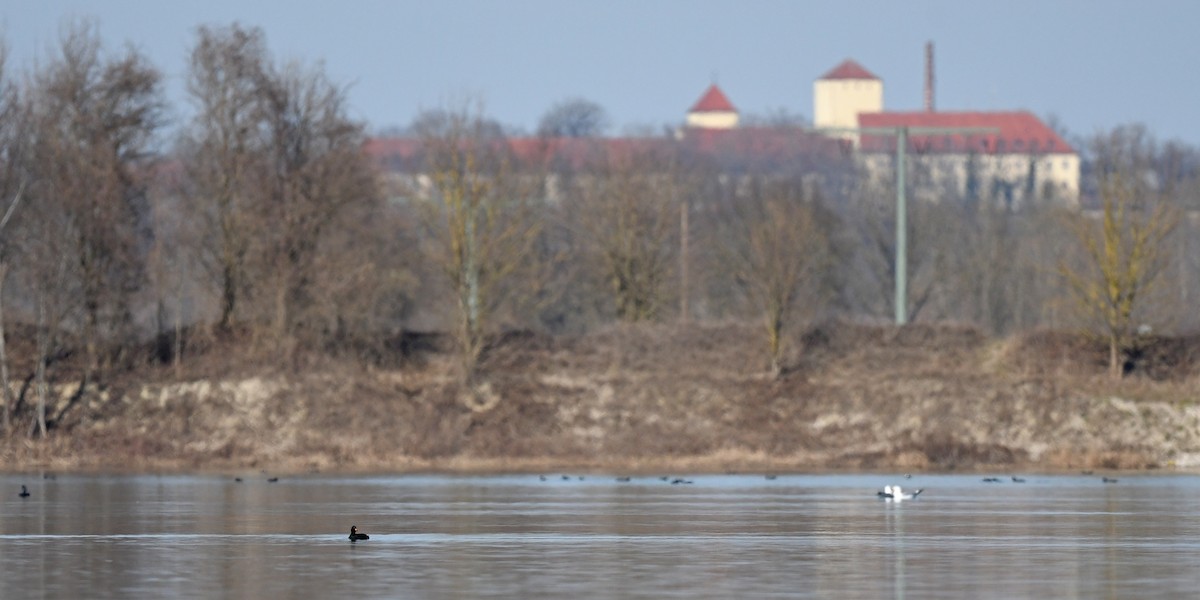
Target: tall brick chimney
929,76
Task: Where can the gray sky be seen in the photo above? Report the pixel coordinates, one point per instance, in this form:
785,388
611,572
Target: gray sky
1093,63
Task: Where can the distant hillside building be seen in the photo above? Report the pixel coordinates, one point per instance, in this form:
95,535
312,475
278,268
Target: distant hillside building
712,111
1021,160
842,94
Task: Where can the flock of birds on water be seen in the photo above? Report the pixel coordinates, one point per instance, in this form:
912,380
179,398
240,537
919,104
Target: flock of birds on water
889,493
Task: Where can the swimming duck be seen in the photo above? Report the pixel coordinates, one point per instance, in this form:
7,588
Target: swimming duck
24,492
893,492
356,536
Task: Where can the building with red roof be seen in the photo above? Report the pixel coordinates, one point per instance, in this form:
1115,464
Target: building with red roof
1011,155
849,70
1011,131
712,111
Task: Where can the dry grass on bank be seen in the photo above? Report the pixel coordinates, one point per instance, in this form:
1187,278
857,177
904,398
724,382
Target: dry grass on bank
637,399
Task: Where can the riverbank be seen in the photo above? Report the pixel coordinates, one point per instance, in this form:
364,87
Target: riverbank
651,398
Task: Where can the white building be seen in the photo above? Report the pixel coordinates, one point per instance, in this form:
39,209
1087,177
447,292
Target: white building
1011,157
1020,160
843,93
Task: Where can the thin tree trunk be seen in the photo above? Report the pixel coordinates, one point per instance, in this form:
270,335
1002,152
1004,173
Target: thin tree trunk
8,395
684,259
1114,363
774,318
43,344
228,297
177,354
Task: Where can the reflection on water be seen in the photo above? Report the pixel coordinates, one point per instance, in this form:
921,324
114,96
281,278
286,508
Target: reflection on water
518,536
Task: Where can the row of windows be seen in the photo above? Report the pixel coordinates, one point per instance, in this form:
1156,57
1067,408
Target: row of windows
1019,144
1045,164
1000,145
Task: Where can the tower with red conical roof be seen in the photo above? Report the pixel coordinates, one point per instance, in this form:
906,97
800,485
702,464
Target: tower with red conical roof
712,111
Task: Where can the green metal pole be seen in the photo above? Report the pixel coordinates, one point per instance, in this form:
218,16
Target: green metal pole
901,230
901,134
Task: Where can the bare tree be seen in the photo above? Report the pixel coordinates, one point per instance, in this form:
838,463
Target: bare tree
776,251
316,178
989,273
575,118
45,244
95,118
1123,261
627,211
222,148
1163,172
480,221
280,185
4,269
171,265
13,181
365,280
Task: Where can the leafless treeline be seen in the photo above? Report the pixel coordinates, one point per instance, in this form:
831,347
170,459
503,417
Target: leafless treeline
261,215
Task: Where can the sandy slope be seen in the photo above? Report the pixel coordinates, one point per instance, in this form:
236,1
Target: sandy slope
647,398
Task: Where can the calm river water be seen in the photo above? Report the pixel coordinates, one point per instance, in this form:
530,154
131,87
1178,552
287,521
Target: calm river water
731,536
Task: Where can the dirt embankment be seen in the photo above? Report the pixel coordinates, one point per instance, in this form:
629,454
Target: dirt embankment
651,397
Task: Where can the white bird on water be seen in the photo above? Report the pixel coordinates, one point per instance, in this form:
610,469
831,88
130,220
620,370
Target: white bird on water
894,493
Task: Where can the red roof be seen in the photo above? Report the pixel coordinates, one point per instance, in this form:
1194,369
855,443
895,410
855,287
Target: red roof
713,100
392,146
1016,133
582,152
406,154
751,144
849,70
759,143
